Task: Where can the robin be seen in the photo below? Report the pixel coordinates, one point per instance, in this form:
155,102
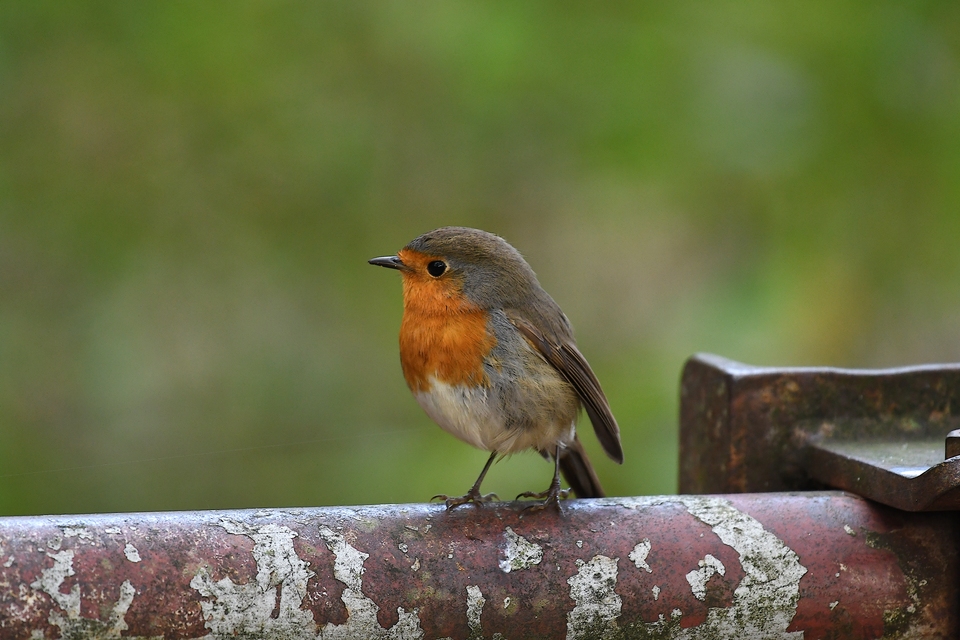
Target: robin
491,358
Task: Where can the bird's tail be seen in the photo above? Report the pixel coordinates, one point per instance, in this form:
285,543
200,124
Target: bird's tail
578,472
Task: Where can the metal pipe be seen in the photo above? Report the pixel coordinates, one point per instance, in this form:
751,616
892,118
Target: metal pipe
810,565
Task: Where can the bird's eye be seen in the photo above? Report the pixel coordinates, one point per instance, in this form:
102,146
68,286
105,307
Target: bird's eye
436,268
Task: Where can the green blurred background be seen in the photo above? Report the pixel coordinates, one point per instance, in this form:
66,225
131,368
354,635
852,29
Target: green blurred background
189,193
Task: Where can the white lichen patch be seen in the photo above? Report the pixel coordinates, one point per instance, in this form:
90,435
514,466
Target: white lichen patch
656,592
52,577
518,553
849,530
270,606
131,552
362,611
78,532
698,578
765,601
231,609
640,553
475,602
68,618
597,604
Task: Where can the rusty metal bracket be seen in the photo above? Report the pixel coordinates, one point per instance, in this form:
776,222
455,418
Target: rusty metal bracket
889,435
910,474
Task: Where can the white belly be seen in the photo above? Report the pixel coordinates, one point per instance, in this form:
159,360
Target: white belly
470,413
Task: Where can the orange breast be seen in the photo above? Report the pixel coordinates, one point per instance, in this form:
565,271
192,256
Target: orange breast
442,334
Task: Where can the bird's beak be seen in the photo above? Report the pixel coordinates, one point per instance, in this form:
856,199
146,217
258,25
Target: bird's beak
390,262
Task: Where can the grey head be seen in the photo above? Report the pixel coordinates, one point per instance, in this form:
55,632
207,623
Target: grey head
493,273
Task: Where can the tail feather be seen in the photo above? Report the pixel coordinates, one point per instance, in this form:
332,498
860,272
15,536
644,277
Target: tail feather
578,472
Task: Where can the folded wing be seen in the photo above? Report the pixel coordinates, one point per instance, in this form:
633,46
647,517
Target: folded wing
571,364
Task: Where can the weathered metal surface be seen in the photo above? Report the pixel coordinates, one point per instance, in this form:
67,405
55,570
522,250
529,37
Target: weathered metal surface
880,433
951,447
818,565
905,475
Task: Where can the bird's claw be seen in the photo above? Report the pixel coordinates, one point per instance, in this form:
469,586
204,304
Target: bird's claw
471,497
551,498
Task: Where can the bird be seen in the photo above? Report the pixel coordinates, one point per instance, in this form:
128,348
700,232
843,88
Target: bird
491,358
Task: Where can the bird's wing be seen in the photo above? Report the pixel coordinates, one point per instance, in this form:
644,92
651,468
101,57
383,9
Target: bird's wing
571,364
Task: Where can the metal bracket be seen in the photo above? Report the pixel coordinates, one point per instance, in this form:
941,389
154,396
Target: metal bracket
888,435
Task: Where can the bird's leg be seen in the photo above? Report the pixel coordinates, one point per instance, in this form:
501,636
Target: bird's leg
473,496
553,495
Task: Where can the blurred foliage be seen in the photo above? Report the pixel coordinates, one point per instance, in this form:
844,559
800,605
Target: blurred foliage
189,193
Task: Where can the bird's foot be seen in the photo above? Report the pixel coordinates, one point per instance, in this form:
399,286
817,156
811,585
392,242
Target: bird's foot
551,498
471,497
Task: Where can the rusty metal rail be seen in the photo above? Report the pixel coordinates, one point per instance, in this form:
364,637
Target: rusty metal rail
813,565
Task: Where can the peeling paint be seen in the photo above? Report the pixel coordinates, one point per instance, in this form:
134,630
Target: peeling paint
765,601
698,578
639,555
78,532
598,606
362,620
68,618
131,553
518,553
270,607
475,602
232,609
51,578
